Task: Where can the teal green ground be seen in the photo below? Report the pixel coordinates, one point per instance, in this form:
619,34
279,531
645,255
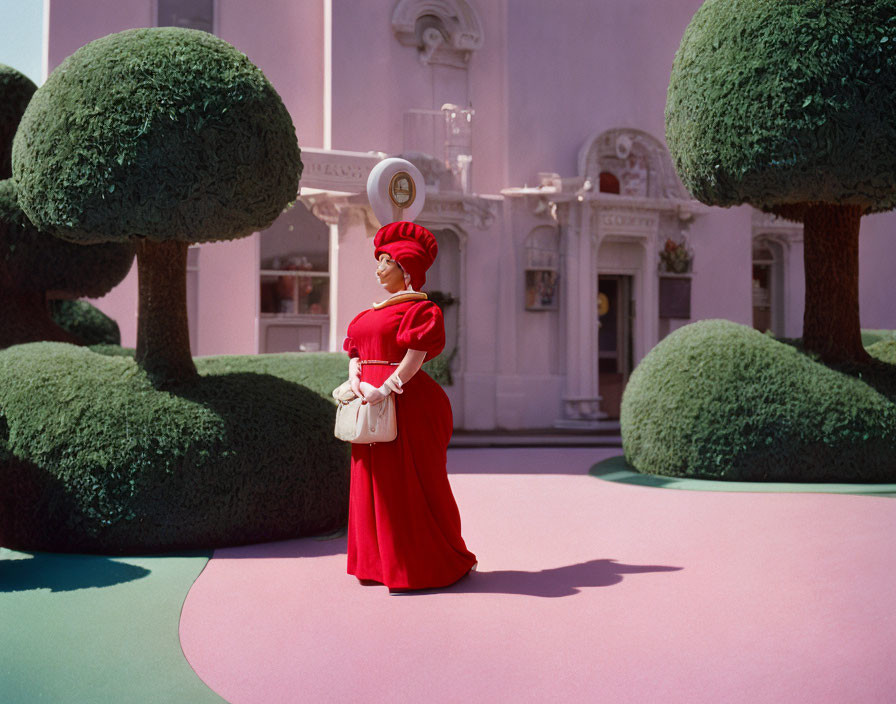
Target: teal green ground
616,469
85,628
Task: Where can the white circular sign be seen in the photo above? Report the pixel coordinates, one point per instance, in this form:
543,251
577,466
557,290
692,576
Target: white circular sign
396,190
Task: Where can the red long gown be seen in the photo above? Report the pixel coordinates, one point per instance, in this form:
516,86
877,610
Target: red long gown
403,522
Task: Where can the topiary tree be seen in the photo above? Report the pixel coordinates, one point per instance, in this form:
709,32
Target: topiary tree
165,137
788,105
35,266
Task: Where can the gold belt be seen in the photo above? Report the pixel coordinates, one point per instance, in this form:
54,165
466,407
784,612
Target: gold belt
362,362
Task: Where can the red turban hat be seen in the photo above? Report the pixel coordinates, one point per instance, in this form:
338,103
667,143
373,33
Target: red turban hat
412,246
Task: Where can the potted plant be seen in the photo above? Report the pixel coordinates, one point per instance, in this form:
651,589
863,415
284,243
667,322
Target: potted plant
676,257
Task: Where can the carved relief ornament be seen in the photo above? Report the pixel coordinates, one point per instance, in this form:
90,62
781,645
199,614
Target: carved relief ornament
640,162
443,31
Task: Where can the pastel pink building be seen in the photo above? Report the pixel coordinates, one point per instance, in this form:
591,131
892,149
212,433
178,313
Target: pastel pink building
539,128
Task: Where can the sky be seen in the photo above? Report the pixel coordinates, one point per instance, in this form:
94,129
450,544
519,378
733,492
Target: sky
21,36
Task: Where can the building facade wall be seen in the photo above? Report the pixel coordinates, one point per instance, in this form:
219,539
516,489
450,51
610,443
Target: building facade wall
546,79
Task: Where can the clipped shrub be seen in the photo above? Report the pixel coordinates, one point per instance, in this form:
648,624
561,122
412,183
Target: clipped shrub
776,102
40,263
718,400
885,351
86,322
320,372
95,459
112,350
16,90
439,368
166,136
35,266
787,105
869,337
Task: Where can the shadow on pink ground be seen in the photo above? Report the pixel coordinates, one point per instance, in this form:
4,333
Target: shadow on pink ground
588,591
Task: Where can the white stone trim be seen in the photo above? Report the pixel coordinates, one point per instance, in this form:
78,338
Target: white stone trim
455,32
335,170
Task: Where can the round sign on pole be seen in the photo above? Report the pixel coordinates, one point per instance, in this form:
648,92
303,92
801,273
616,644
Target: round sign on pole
396,190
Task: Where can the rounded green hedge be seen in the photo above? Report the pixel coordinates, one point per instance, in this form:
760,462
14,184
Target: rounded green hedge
94,459
16,90
718,400
885,351
775,102
36,261
86,322
163,133
870,337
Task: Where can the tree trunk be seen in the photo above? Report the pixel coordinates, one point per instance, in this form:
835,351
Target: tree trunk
26,318
163,336
831,325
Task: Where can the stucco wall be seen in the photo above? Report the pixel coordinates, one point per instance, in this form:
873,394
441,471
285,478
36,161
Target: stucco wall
723,255
877,259
548,76
577,67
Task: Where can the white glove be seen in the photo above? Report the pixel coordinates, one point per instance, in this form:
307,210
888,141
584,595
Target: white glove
393,383
354,375
372,394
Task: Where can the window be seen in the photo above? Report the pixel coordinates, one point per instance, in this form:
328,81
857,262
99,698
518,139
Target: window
192,14
542,269
294,283
608,183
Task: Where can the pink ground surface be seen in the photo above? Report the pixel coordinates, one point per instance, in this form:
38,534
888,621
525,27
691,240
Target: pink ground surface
588,591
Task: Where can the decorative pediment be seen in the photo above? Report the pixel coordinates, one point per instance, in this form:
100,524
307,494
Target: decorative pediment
639,162
443,31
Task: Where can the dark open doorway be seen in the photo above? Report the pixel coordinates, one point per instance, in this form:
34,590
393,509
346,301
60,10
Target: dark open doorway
614,339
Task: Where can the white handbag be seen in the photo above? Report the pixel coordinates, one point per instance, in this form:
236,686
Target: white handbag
363,423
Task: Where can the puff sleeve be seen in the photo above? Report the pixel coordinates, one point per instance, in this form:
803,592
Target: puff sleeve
349,346
422,328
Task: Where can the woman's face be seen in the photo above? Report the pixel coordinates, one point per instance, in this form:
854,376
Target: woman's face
389,275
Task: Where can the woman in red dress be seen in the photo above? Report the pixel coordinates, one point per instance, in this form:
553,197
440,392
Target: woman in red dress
403,525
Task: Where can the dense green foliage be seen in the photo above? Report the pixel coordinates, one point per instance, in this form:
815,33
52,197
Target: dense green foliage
774,102
112,350
718,400
885,351
439,368
95,459
870,337
163,133
16,90
86,322
36,261
320,372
